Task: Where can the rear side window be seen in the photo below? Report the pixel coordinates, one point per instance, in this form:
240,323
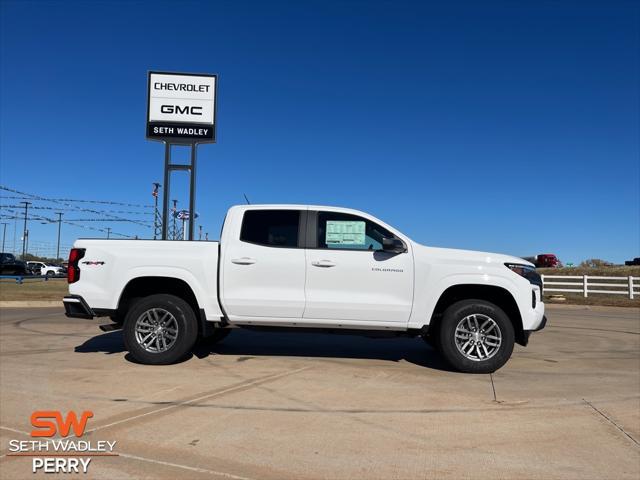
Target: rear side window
272,228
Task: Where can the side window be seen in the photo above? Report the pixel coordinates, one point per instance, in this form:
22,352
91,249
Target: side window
271,228
349,232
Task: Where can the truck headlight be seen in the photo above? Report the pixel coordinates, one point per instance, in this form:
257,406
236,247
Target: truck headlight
527,272
522,270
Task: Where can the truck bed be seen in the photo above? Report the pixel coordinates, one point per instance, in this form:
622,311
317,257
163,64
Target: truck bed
109,265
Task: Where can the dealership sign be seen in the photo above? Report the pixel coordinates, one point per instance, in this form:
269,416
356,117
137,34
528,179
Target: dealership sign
181,107
183,215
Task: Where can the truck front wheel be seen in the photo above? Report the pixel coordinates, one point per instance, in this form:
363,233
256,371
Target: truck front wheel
476,336
160,329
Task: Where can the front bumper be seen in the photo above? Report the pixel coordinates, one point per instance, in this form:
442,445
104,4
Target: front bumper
75,306
527,333
543,324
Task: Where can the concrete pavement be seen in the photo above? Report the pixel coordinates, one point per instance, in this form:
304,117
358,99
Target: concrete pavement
295,405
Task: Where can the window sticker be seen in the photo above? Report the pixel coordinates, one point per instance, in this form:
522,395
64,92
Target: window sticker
342,232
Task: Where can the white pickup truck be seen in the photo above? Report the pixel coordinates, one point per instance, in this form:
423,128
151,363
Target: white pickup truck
306,267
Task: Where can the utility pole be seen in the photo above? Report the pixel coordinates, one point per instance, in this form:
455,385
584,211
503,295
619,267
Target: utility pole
175,233
108,232
59,226
24,232
15,229
4,234
156,214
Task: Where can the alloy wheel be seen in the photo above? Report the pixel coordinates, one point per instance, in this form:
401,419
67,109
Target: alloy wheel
478,337
156,330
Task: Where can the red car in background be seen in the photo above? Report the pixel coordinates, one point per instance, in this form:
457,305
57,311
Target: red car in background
547,260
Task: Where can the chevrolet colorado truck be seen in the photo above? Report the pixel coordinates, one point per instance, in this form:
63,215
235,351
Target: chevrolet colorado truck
306,267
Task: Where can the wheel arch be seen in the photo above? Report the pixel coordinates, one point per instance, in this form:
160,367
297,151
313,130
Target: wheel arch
499,296
144,286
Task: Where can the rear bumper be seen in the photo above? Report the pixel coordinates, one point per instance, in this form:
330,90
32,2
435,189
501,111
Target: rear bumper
75,306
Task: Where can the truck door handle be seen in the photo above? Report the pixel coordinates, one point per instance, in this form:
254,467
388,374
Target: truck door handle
243,261
323,263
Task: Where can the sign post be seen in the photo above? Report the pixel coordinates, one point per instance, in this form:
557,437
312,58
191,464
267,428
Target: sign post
181,110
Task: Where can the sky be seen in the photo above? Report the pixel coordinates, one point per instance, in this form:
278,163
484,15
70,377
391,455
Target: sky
499,126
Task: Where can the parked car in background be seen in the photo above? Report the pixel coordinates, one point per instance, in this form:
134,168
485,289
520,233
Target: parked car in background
34,268
9,265
46,270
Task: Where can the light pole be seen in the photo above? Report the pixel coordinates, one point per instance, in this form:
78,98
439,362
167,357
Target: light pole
59,226
4,234
24,232
108,232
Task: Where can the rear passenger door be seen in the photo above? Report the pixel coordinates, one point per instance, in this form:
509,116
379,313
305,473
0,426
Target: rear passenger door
264,270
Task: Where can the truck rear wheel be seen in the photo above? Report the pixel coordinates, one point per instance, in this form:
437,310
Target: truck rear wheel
160,329
476,336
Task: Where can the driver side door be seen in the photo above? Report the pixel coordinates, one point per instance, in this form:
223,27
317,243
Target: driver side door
349,277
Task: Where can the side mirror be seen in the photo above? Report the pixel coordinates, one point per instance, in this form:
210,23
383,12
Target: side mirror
393,245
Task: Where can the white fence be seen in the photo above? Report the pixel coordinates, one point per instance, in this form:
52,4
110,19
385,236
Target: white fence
588,284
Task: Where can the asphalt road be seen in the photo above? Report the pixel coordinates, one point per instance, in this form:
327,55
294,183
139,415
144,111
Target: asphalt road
303,406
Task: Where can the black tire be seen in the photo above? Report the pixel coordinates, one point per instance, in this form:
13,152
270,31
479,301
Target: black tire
186,335
50,274
432,341
447,336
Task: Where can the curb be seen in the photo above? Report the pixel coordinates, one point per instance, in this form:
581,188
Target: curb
574,306
30,303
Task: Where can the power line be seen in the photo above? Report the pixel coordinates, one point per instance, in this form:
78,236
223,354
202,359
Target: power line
125,220
63,202
26,196
50,220
139,222
40,207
